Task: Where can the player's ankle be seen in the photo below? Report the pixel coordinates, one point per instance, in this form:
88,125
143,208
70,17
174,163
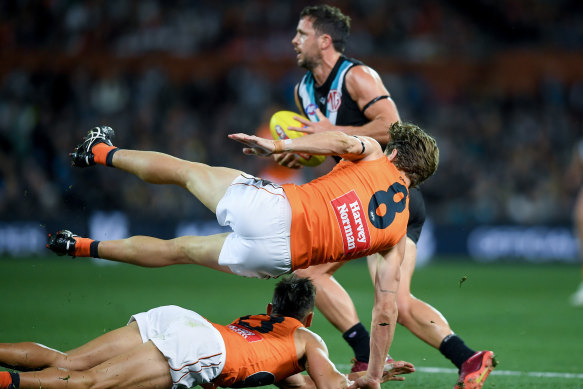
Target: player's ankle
103,154
358,339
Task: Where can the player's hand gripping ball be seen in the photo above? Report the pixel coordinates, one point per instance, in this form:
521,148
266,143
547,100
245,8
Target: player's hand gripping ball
279,123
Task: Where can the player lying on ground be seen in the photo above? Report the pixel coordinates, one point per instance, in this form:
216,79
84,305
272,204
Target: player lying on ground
359,208
169,346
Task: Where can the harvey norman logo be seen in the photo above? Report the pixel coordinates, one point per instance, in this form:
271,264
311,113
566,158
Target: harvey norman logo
249,336
351,219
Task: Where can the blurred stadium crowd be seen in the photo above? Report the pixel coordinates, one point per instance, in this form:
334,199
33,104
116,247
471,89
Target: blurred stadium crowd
500,85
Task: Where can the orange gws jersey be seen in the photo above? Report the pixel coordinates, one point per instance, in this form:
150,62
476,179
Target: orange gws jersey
359,208
260,350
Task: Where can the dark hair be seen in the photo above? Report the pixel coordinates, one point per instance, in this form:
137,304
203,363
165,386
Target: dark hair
417,152
329,20
293,297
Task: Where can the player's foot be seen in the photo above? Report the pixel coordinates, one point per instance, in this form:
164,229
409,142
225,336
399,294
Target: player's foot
577,297
83,156
475,370
62,242
363,366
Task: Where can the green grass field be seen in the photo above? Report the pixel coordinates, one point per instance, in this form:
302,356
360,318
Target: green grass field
520,311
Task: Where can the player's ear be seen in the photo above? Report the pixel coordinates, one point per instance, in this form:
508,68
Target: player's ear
325,41
269,308
308,320
393,154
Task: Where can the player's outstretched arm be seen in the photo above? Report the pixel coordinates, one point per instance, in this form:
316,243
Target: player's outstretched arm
323,374
324,143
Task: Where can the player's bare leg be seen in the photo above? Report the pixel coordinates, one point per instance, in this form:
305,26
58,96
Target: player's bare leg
331,298
207,183
144,366
113,360
144,251
34,356
337,306
152,252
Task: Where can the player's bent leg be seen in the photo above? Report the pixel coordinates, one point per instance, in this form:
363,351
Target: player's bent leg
207,183
331,298
102,348
33,356
337,306
143,366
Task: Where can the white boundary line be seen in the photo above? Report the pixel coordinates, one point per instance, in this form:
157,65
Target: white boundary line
442,370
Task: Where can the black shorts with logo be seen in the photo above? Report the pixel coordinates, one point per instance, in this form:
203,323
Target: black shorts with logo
416,214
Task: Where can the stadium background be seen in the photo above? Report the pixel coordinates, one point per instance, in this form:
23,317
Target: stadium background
499,84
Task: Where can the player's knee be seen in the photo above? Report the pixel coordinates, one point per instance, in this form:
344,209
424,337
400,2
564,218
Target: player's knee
404,306
75,362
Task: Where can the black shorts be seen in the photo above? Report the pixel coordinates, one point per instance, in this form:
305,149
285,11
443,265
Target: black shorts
416,214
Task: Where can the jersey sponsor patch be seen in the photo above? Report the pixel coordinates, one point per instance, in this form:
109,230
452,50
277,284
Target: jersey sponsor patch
334,100
351,220
249,335
311,109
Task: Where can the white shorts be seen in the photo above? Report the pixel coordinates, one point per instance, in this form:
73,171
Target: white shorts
260,215
195,350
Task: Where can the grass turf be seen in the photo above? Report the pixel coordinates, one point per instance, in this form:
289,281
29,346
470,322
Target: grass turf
520,311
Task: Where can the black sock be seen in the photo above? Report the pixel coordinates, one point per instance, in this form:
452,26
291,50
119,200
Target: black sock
358,338
454,349
15,380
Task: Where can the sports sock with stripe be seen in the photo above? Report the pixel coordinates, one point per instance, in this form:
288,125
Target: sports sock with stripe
454,349
103,153
86,247
9,380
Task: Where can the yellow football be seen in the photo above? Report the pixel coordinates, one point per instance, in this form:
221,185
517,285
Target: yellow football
279,123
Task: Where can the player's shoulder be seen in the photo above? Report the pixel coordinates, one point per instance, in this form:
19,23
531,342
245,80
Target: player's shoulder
362,73
364,80
309,337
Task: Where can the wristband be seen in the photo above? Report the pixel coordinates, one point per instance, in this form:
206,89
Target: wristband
361,142
278,145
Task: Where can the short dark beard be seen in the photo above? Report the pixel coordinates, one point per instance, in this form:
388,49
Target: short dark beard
308,65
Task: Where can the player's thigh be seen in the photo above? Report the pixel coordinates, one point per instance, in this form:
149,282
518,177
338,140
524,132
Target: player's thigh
143,367
103,348
201,250
208,183
317,271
